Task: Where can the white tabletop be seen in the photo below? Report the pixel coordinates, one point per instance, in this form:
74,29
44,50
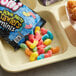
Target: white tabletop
64,68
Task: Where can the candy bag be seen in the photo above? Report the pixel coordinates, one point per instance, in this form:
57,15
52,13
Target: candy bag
17,21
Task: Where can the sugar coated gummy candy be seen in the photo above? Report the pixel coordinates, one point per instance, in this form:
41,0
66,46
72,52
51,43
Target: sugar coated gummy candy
46,55
38,36
28,43
46,36
31,38
43,31
49,53
41,46
40,57
23,46
33,56
55,50
50,35
47,41
41,51
35,49
34,44
40,42
47,48
37,29
28,52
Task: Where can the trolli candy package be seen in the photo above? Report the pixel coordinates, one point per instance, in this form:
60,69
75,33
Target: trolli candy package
17,21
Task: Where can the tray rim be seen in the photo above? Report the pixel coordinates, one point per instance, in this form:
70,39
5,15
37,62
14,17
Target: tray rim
64,56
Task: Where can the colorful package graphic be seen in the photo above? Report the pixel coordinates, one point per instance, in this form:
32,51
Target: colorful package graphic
17,21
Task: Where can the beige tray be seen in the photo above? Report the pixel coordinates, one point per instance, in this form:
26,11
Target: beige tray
17,61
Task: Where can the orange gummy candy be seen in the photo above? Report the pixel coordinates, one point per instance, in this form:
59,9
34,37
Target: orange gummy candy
28,52
28,43
55,50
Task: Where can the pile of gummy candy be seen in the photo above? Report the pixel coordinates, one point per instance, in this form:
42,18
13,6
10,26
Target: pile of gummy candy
38,46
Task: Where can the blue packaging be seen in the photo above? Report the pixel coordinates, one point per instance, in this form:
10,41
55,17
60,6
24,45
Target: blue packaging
17,21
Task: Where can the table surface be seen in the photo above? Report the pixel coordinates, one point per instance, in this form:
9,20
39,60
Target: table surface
64,68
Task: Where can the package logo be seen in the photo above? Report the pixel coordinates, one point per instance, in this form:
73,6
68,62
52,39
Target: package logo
11,4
